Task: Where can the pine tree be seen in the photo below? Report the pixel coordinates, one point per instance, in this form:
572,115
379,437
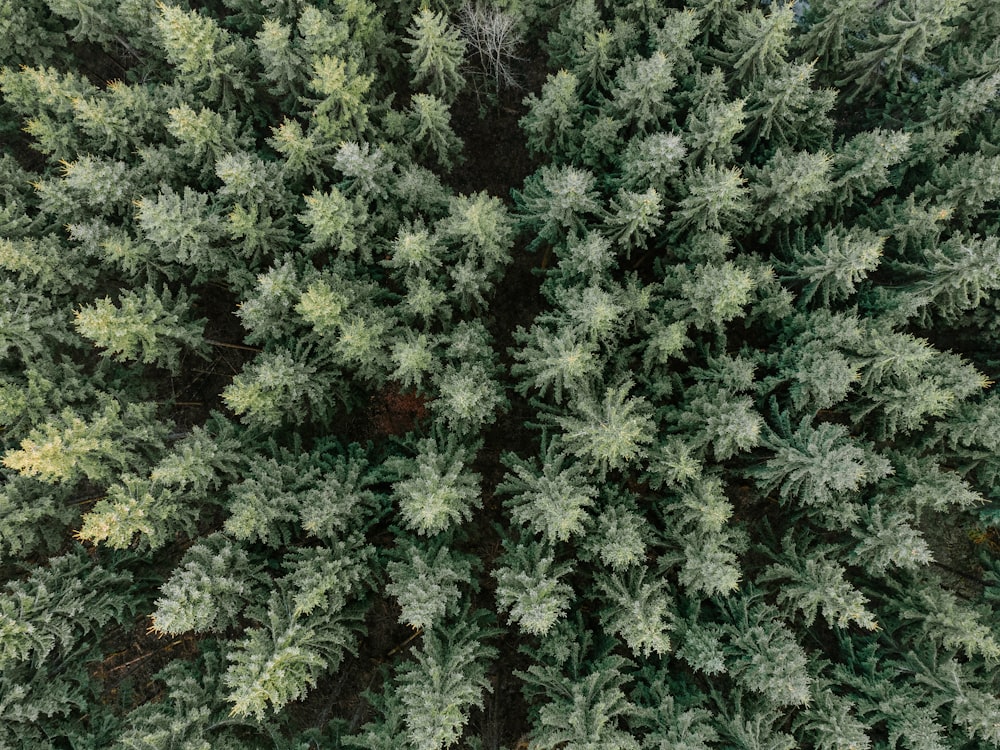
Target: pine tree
758,44
832,724
654,161
620,536
811,582
861,167
335,222
713,125
151,328
784,110
191,712
111,441
340,109
436,54
819,466
789,186
717,199
551,500
137,513
58,605
210,60
283,62
429,126
434,488
443,684
887,539
584,708
553,121
832,25
834,268
905,38
208,590
634,218
426,584
304,630
561,361
280,660
277,386
763,656
182,227
640,91
554,202
637,610
716,294
611,431
530,589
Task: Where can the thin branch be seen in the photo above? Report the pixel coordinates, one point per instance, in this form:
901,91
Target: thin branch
241,347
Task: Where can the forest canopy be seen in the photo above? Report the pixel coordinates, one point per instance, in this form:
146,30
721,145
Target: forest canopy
548,374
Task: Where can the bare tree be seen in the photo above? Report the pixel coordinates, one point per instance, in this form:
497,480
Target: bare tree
493,41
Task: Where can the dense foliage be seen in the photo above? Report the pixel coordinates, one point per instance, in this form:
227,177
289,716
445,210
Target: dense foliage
687,440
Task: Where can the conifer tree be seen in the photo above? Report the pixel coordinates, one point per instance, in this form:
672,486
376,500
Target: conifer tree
554,118
435,490
446,680
151,328
437,49
429,125
529,587
611,431
211,60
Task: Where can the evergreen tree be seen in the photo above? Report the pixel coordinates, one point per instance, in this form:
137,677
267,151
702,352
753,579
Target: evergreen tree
529,587
435,490
612,431
436,54
151,327
446,680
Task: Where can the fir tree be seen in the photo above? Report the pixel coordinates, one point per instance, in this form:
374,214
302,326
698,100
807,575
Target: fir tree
436,54
446,680
150,327
435,489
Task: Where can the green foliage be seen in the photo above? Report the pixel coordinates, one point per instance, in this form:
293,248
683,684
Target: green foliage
637,610
446,680
554,202
210,60
639,94
554,118
717,199
757,44
612,431
790,185
277,385
584,708
763,656
428,128
551,500
68,446
58,605
819,466
436,54
304,631
811,582
528,586
426,585
190,714
834,268
434,488
151,327
731,420
136,512
635,217
207,591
